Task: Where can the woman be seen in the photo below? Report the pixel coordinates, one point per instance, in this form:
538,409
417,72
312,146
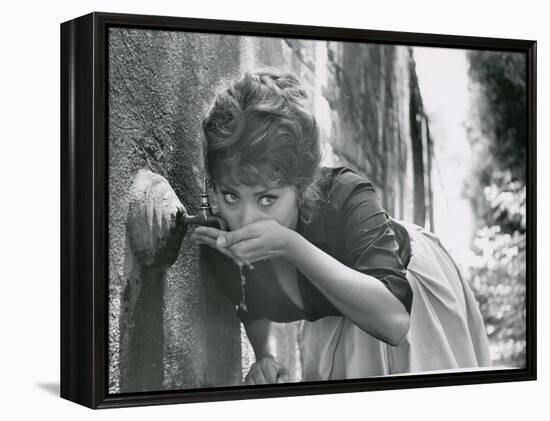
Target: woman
379,296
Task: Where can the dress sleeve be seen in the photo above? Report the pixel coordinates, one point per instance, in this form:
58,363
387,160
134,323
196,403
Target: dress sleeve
370,243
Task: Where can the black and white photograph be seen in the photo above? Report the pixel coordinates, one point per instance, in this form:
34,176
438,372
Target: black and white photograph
273,211
286,210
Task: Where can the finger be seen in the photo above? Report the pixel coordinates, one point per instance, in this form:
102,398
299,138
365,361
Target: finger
282,375
249,379
229,255
250,250
204,240
227,239
259,377
282,379
246,246
209,231
211,243
269,370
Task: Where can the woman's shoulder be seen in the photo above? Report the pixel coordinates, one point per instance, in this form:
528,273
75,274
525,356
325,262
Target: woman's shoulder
337,186
342,182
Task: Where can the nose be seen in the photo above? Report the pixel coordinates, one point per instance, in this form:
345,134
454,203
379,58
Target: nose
250,213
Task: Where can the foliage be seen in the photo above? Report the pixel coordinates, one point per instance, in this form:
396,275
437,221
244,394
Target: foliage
498,272
497,192
500,79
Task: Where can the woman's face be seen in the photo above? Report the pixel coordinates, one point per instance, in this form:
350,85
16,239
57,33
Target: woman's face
241,205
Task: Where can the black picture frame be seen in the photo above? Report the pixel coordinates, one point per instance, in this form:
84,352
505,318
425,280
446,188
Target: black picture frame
84,212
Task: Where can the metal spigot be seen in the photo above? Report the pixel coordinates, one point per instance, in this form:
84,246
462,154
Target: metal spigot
205,217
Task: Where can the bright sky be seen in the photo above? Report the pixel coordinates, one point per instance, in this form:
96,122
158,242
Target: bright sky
443,79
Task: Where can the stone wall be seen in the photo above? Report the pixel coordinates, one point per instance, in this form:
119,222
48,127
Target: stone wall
367,102
159,87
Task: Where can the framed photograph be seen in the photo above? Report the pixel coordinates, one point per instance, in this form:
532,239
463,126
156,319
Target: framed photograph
254,210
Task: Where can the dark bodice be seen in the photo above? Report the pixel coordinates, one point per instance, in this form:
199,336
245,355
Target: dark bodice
352,227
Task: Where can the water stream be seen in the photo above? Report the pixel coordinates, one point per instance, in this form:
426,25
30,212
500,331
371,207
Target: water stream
242,304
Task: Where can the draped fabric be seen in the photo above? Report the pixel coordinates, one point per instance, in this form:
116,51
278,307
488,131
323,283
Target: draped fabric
446,329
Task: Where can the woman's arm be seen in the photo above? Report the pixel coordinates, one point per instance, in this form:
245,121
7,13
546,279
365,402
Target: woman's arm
266,369
363,298
360,297
258,332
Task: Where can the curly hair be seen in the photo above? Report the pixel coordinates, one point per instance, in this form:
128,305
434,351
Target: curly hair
259,130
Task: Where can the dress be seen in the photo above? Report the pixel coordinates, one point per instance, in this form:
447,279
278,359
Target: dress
446,329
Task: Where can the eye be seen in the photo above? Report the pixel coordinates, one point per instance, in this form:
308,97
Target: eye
229,197
267,200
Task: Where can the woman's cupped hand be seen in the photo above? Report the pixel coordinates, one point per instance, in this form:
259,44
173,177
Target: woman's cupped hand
260,240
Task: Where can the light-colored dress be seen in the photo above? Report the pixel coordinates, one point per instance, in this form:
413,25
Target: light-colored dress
446,328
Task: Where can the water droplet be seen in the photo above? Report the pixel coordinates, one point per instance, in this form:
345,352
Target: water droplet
242,305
